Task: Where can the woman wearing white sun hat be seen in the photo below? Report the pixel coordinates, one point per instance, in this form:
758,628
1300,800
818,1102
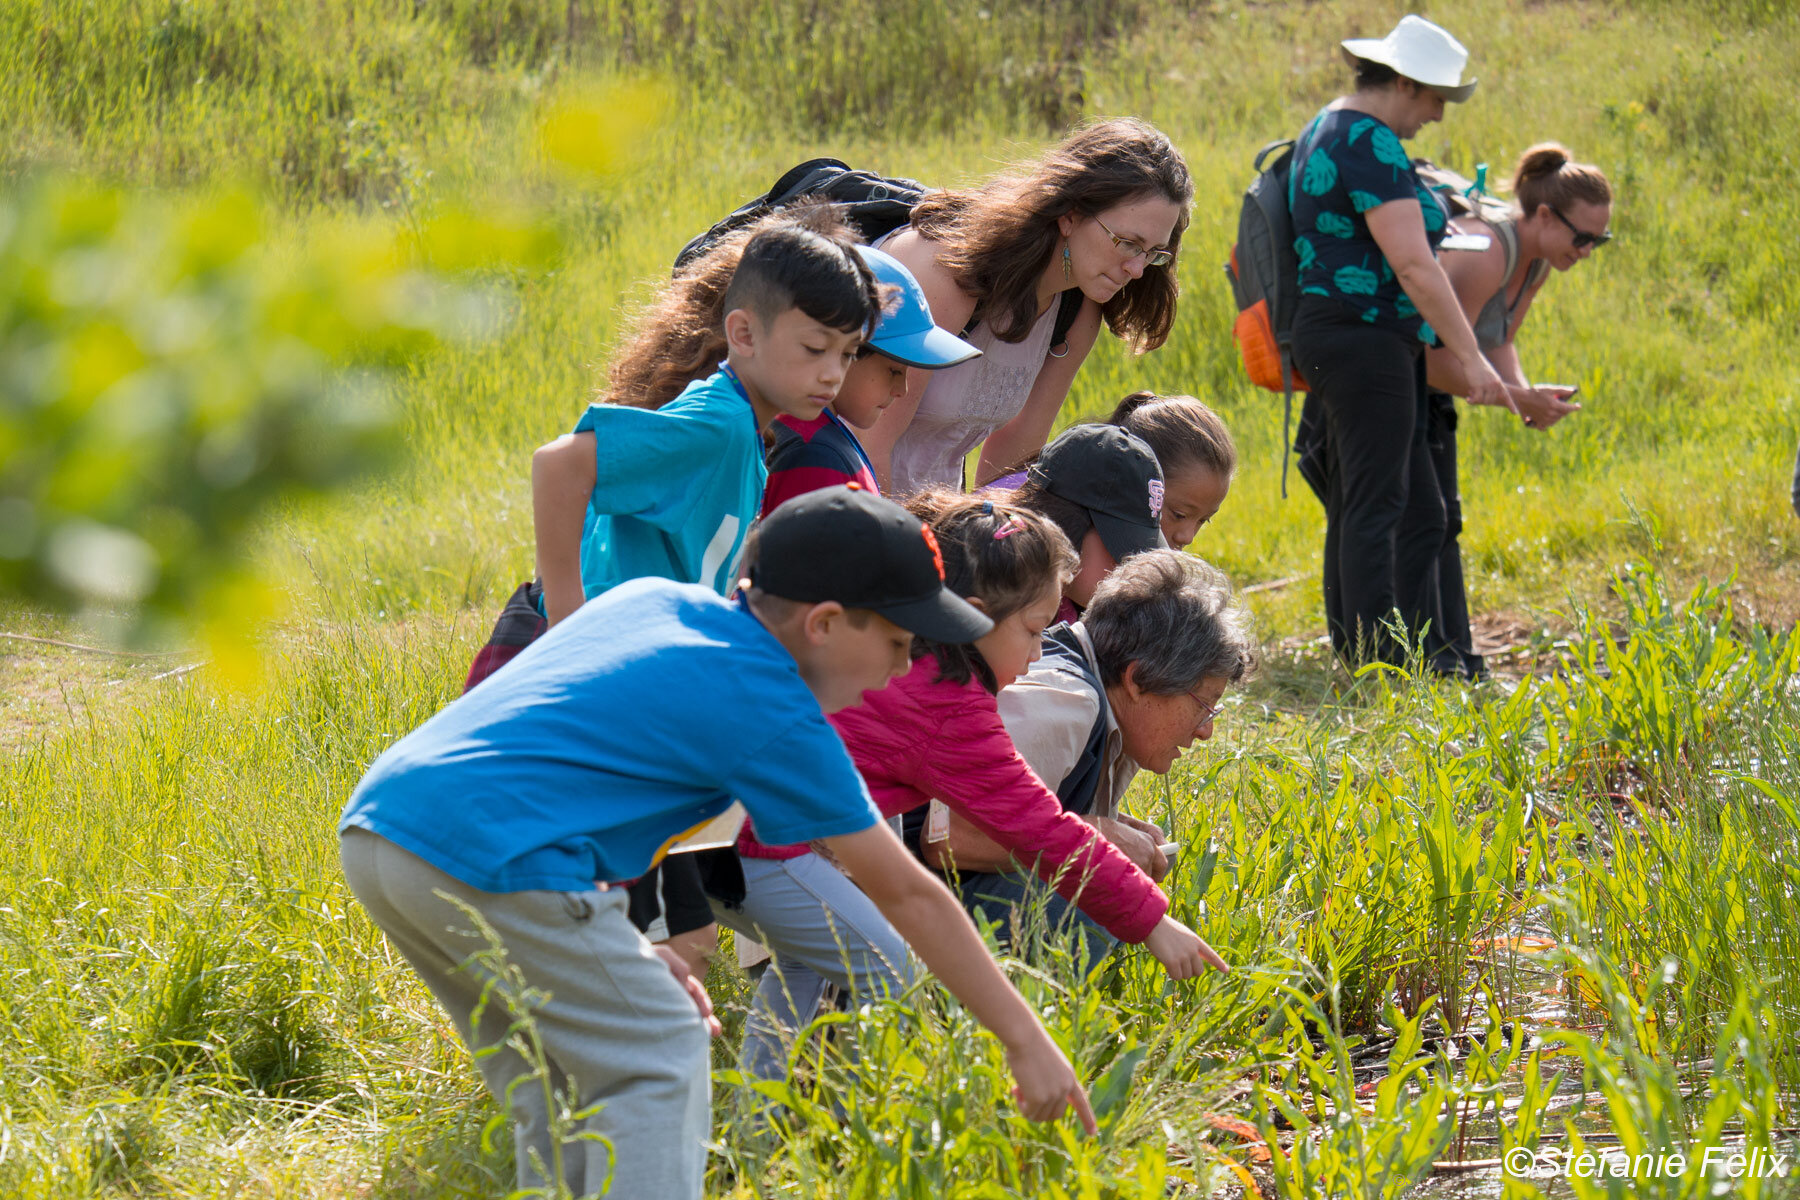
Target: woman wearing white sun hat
1372,297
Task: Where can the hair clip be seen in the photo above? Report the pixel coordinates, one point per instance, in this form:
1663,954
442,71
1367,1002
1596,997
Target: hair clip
1013,525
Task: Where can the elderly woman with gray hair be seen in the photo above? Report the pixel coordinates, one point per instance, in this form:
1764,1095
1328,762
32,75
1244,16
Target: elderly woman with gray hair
1136,681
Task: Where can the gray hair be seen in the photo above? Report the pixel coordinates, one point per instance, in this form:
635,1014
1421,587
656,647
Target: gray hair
1172,615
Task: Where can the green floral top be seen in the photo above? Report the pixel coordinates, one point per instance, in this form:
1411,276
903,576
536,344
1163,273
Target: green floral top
1346,163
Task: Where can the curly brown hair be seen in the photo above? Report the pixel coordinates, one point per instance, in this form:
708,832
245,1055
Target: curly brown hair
679,336
998,239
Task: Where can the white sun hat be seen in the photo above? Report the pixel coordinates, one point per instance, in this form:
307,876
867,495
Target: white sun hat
1422,52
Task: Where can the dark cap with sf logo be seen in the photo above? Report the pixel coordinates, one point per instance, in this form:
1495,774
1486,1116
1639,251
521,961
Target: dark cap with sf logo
1115,476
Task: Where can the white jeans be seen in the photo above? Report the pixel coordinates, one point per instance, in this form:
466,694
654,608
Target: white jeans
820,928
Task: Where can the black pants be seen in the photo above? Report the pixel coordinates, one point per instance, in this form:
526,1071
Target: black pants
1365,431
1453,597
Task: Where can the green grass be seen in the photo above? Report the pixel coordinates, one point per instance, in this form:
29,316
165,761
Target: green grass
195,1006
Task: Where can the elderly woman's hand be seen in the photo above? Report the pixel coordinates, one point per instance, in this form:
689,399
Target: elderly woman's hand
1137,840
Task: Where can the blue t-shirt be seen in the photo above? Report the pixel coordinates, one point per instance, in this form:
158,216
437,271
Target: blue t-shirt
1347,162
627,726
676,488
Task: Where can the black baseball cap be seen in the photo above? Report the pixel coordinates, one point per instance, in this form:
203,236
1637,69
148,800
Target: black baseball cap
846,545
1115,476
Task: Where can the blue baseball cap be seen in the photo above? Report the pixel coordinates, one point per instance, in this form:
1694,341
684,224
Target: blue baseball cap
906,333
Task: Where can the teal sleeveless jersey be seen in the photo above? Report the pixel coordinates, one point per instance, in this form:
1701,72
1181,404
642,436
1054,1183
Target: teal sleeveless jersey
676,488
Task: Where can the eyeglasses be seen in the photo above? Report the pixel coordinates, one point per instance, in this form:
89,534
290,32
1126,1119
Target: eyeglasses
1134,249
1582,236
1207,711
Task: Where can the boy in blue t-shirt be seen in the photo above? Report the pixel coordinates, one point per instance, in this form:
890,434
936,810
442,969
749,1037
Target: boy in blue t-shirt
621,731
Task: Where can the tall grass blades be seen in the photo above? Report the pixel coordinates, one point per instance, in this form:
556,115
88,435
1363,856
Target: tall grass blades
1451,911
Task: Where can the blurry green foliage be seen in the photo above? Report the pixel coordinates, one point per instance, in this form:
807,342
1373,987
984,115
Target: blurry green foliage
167,377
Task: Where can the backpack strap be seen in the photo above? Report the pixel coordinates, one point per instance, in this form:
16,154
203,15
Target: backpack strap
1068,309
1507,229
1080,787
1508,234
1285,344
1287,414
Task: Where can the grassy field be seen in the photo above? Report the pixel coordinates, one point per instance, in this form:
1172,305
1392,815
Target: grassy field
1440,899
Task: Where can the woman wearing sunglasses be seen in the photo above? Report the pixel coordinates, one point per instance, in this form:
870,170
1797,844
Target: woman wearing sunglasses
1561,215
1372,297
1090,228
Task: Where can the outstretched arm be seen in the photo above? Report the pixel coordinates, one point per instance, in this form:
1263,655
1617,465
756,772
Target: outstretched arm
934,925
1399,229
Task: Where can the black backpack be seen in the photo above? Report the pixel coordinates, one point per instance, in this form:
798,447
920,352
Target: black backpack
874,205
1265,274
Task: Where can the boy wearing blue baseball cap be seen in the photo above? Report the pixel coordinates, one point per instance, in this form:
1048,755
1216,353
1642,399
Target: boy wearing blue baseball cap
824,452
619,733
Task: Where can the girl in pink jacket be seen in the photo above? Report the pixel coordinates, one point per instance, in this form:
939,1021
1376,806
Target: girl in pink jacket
936,731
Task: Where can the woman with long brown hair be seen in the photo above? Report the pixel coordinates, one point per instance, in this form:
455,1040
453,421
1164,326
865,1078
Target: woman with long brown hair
1101,214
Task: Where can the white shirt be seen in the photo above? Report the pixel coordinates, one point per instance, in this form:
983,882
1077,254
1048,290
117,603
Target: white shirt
1050,710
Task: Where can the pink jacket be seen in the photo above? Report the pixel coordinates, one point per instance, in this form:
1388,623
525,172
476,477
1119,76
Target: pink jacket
918,738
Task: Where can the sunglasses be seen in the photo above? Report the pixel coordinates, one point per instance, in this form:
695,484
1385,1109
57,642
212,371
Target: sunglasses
1134,248
1582,237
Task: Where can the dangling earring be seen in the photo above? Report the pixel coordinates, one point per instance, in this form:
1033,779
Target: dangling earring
1068,265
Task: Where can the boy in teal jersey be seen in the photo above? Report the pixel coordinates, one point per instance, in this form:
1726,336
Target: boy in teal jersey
672,492
638,720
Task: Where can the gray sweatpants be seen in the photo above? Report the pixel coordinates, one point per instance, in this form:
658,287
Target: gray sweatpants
821,928
614,1022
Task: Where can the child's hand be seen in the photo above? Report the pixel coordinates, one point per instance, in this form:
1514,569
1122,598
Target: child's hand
1181,951
695,989
1046,1084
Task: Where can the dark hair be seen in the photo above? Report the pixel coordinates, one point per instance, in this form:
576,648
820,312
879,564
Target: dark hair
788,266
999,239
1073,519
1547,175
1184,432
1172,615
1004,573
1370,74
680,335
